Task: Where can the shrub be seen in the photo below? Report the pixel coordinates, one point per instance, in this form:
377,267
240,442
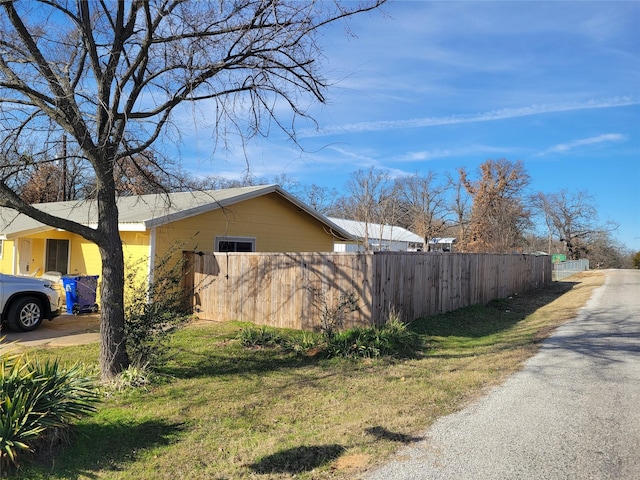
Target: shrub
305,341
154,310
332,314
37,401
392,339
134,376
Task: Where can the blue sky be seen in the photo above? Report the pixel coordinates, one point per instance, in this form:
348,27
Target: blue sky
433,86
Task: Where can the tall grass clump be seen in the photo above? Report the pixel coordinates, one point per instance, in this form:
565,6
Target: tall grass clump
393,339
271,337
261,337
38,402
154,308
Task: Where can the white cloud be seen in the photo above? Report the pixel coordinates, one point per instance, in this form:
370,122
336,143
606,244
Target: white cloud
472,150
565,147
502,114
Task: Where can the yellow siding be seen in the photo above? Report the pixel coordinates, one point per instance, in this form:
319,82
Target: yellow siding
275,223
136,253
6,262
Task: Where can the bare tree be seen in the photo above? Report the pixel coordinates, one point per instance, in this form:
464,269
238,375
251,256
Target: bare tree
111,74
370,201
604,251
424,203
499,217
321,199
573,218
44,184
65,176
459,209
140,174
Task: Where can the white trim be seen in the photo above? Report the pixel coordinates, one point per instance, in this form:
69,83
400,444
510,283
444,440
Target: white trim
151,264
14,266
124,227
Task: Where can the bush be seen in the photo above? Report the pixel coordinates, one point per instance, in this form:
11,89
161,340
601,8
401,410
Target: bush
37,401
392,339
134,376
154,310
332,314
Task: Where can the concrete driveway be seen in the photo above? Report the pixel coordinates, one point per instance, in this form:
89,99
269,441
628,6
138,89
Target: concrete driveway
62,331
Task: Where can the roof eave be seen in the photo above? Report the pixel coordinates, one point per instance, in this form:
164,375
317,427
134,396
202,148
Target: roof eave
30,231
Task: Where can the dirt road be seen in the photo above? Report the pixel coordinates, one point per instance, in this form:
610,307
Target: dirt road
573,412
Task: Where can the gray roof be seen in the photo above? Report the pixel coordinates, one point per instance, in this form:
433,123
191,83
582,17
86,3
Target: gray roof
376,231
140,213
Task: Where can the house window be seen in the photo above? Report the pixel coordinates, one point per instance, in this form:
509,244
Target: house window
235,244
1,248
57,256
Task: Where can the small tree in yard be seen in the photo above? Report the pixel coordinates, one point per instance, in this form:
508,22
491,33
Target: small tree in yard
110,75
333,313
154,308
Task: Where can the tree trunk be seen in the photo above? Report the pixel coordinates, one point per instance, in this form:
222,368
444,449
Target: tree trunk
113,351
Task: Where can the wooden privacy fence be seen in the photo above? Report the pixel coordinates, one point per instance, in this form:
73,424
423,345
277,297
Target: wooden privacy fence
292,289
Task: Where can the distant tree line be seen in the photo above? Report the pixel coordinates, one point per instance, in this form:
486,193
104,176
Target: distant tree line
491,210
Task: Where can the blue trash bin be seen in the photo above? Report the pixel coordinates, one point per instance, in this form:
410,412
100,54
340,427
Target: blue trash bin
80,293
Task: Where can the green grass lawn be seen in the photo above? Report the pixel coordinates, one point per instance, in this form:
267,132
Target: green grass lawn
223,411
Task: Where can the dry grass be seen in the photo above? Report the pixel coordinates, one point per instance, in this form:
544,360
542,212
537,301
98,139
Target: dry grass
228,412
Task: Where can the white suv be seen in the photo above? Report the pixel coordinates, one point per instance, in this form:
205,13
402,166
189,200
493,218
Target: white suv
26,301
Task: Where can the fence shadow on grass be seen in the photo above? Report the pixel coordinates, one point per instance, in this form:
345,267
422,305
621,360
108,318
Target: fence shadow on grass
298,460
469,324
212,363
94,448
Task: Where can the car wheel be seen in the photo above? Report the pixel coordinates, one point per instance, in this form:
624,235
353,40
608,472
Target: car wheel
25,314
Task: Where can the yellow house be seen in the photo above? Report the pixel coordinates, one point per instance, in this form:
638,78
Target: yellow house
250,219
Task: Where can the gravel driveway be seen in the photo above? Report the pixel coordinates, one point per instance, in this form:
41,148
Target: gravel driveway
573,412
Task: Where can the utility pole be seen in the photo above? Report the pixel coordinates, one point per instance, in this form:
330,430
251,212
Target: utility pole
64,168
